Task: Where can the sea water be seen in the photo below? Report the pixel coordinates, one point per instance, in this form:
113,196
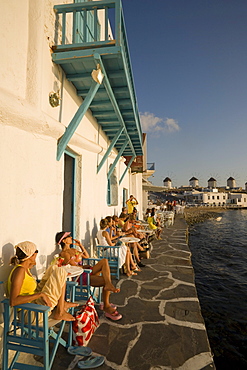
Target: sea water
219,258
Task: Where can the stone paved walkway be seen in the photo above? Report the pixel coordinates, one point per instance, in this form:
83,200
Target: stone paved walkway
162,326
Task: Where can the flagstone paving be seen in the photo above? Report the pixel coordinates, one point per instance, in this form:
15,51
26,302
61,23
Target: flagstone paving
162,326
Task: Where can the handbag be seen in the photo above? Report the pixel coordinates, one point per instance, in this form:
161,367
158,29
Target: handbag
85,324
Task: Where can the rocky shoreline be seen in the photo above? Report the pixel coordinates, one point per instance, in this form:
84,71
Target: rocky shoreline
195,215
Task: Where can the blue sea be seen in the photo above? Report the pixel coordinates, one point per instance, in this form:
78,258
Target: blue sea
219,257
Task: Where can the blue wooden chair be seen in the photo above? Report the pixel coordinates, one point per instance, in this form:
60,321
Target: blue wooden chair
83,290
112,255
23,332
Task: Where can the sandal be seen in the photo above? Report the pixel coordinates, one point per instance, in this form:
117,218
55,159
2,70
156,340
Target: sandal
132,273
113,316
101,306
81,351
91,363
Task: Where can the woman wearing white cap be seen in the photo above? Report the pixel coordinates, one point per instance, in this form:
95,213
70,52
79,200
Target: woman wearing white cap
23,288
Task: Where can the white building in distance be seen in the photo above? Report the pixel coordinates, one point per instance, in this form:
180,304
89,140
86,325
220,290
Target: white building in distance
231,183
167,183
212,183
194,182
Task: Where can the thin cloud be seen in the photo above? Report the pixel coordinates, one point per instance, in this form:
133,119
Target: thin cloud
151,123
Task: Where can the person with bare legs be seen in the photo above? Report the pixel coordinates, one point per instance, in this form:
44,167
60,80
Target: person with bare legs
100,275
23,288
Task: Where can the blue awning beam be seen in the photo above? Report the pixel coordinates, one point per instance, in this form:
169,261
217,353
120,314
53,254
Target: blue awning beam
116,160
112,98
97,77
126,169
111,146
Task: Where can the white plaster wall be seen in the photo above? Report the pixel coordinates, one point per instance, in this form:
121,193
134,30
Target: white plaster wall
32,180
14,23
242,198
215,200
31,190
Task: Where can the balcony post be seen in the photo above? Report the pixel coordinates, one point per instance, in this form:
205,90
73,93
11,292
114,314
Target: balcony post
116,159
126,169
76,119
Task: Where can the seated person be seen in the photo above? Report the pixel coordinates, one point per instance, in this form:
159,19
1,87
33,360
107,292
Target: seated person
125,256
22,286
74,257
154,224
124,213
130,231
135,214
112,229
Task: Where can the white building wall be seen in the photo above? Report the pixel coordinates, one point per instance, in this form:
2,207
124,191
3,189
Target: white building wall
215,198
32,179
238,199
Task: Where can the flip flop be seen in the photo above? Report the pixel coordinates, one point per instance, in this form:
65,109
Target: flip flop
81,351
91,363
113,316
101,306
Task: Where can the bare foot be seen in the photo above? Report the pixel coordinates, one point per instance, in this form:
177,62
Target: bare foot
68,305
63,316
111,288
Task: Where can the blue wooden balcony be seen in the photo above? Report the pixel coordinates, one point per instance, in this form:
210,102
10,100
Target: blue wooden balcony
84,43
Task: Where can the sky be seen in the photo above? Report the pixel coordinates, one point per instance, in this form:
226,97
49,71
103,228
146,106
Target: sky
189,61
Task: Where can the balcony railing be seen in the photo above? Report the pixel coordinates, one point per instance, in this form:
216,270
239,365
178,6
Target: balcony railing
78,28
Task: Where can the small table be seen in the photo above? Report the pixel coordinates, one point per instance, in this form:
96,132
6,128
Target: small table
127,239
145,231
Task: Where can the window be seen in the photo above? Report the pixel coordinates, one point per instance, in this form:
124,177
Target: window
112,189
218,197
208,197
212,196
224,197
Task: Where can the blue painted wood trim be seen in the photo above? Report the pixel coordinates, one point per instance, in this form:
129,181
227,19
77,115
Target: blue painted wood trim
74,184
66,56
111,146
111,95
85,5
118,23
106,23
126,169
76,119
116,159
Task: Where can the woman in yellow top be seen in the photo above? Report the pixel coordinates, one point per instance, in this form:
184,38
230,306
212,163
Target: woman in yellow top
22,286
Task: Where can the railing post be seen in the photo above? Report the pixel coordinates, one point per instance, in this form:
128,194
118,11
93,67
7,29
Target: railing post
85,25
106,24
118,22
63,28
95,24
74,27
